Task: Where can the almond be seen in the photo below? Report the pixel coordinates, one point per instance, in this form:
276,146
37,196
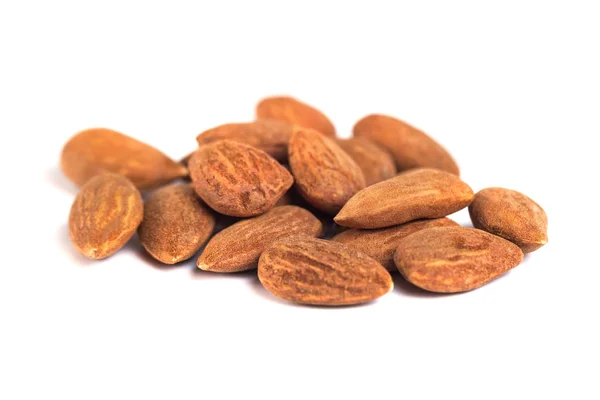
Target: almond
176,224
511,215
410,147
238,247
380,244
105,215
290,110
376,163
95,151
238,180
415,194
454,259
314,271
325,175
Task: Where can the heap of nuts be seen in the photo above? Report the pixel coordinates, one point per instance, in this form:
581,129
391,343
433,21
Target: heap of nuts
323,219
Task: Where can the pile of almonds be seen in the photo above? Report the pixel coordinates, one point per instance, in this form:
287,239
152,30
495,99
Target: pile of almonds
264,193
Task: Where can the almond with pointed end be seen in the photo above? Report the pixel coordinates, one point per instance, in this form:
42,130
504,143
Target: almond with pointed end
376,163
454,259
290,110
95,151
325,175
415,194
238,180
511,215
105,215
410,147
314,271
380,244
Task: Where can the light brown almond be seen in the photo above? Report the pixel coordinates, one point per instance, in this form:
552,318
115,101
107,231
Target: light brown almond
288,109
376,163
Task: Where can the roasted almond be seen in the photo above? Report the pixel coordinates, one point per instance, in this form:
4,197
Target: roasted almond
410,147
376,163
380,244
105,215
238,247
454,259
511,215
314,271
95,151
176,223
326,176
290,110
238,180
415,194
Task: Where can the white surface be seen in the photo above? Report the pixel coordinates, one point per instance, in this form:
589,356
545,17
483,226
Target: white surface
512,90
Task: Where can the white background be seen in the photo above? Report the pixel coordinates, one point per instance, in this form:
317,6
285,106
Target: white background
512,89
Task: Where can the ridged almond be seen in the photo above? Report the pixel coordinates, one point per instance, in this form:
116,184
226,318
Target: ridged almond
288,109
376,163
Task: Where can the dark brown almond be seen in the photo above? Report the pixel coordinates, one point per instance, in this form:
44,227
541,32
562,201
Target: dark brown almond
376,163
295,112
186,160
314,271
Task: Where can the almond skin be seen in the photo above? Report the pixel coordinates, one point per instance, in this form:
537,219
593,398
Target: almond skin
238,247
381,244
454,259
410,147
288,109
99,150
105,215
238,180
176,224
325,175
376,163
415,194
511,215
314,271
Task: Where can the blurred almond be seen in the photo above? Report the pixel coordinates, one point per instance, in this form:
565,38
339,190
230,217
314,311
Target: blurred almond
290,110
376,163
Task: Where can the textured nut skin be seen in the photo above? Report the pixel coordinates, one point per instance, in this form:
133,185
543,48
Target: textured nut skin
326,176
238,247
376,163
380,244
236,179
104,216
454,259
415,194
288,109
410,147
99,150
270,136
511,215
315,271
176,224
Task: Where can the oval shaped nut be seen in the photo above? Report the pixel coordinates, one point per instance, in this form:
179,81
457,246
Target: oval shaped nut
238,247
511,215
236,179
454,259
410,147
104,216
380,244
176,224
288,109
270,136
415,194
376,163
326,176
99,150
314,271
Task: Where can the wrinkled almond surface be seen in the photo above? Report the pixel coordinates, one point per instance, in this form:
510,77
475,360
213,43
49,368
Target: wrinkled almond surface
288,109
376,163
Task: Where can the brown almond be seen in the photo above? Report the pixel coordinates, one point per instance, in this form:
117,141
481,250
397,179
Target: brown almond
288,109
410,147
454,259
415,194
105,215
238,180
176,224
314,271
376,163
326,176
186,160
380,244
95,151
511,215
238,247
